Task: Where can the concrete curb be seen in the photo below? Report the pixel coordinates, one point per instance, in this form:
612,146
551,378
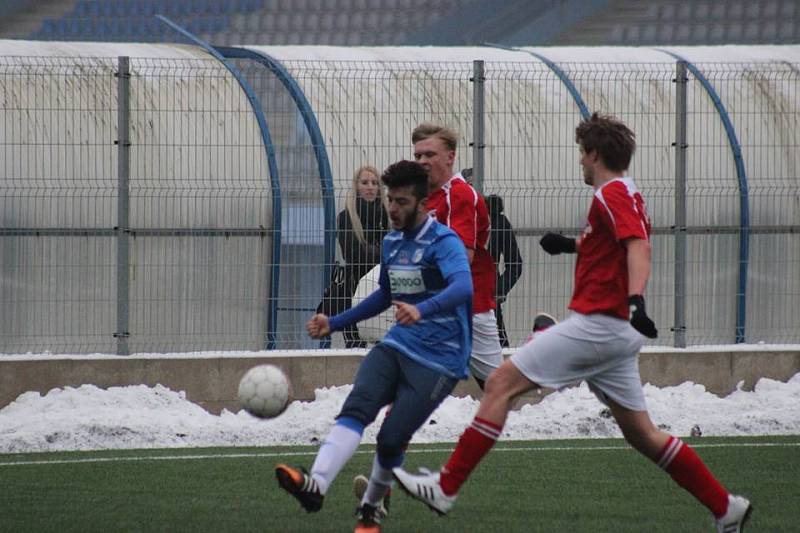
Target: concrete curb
211,380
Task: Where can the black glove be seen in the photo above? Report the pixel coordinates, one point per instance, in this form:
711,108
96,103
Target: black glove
554,244
639,319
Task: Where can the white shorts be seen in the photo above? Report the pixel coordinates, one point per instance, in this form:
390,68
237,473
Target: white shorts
599,349
487,354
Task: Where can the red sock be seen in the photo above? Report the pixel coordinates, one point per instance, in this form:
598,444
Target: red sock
688,470
475,442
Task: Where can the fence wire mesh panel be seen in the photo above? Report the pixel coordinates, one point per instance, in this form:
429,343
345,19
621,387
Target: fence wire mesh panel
249,201
533,164
762,102
57,199
199,210
532,167
303,191
366,112
198,207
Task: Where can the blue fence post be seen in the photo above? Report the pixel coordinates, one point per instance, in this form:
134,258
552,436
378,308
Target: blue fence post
269,148
744,203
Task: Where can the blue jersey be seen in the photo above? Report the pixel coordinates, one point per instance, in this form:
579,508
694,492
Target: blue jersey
414,267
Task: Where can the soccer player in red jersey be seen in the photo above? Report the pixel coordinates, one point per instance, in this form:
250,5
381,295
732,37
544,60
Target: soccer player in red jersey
598,343
453,202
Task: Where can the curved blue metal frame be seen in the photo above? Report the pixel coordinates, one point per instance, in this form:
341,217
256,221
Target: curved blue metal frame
272,309
744,204
317,141
565,80
573,91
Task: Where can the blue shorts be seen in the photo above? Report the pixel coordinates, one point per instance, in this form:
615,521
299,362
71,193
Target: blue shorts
386,376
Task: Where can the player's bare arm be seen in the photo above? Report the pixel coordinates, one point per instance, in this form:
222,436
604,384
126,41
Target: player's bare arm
638,258
639,251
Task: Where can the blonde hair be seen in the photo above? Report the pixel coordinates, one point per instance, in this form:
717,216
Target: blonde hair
350,201
428,129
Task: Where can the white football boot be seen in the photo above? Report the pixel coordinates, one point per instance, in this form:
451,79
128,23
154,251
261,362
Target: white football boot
739,510
425,487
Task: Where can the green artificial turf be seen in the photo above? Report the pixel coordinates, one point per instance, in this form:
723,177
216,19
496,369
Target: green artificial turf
550,486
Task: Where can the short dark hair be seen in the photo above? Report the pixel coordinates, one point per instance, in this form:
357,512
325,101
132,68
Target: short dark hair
613,140
404,174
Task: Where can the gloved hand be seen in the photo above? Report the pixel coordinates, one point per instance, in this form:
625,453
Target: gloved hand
639,319
554,244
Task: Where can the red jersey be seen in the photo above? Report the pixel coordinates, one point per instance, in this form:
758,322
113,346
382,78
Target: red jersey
457,205
601,272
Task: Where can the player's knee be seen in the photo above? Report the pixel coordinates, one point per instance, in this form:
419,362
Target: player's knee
355,413
390,449
360,405
493,386
501,385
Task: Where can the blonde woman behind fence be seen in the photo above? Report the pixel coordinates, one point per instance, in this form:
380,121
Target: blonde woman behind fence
361,226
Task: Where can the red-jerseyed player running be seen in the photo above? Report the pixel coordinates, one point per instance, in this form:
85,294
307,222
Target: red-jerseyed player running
598,343
454,203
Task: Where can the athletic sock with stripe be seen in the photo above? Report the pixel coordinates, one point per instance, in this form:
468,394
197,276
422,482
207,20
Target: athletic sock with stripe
687,469
474,444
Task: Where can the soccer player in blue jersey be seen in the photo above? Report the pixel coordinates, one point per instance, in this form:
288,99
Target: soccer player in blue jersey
425,274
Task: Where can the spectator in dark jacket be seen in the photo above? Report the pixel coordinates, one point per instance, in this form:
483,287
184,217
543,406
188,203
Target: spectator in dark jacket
504,250
361,226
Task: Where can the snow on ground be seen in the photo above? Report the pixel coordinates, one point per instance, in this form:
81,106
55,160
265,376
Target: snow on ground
90,418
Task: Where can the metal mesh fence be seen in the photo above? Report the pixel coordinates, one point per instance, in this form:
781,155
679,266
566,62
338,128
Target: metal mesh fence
531,164
534,167
301,190
763,104
366,112
57,203
230,226
193,209
200,210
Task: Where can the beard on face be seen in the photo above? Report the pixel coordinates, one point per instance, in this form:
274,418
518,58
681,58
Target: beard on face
588,176
409,220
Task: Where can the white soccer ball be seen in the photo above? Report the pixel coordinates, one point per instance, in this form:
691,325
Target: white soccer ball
265,391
